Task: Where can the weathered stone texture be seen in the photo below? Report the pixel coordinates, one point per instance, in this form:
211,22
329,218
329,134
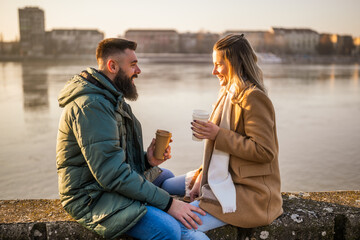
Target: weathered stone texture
330,215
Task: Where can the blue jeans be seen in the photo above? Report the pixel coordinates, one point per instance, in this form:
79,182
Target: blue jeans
208,222
173,185
176,186
156,224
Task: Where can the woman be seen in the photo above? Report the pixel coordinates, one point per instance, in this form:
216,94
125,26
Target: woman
240,180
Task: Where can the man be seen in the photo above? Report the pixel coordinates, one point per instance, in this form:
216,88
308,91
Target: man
101,164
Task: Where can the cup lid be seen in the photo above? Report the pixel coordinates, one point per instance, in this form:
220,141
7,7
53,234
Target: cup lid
163,132
199,112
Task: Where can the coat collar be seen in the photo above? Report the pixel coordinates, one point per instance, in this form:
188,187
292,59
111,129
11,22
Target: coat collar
218,108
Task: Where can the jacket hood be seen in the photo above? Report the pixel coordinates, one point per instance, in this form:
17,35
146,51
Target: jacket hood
78,86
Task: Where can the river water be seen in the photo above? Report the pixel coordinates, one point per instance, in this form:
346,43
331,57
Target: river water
317,109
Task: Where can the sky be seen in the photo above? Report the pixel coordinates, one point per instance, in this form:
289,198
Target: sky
114,17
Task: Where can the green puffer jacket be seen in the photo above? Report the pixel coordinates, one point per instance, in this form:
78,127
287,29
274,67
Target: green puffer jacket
100,158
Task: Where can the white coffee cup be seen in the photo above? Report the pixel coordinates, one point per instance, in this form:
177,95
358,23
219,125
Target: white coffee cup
200,115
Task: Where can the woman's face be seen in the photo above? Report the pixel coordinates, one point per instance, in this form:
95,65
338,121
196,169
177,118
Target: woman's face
221,69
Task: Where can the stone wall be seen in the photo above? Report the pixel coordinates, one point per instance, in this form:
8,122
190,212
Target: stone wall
321,215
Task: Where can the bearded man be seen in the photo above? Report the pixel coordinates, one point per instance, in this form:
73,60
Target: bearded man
105,177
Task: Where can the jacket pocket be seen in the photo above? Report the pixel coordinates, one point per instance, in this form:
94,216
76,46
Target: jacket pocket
254,170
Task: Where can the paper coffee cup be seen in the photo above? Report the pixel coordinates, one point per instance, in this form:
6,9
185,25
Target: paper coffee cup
161,143
200,115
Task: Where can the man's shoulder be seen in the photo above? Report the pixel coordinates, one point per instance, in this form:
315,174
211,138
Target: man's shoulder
91,101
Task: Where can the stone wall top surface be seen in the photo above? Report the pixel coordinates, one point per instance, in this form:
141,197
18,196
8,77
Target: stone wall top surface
48,210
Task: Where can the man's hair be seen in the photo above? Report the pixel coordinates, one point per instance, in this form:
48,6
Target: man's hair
110,46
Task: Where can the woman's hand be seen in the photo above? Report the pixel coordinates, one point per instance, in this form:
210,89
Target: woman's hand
195,191
150,154
205,130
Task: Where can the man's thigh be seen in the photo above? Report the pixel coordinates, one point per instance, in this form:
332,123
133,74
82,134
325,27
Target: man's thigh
156,224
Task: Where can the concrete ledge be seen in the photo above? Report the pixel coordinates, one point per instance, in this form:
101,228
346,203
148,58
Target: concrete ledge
321,215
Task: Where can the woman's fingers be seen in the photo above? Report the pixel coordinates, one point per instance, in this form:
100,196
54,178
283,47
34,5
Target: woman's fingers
205,130
200,128
199,124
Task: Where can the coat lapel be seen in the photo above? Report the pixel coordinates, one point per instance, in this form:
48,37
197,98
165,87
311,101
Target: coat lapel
235,117
217,111
216,118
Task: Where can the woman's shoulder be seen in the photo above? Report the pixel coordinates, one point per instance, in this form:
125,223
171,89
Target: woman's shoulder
254,94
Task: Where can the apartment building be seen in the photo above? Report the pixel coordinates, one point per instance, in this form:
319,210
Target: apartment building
72,41
32,31
155,40
295,40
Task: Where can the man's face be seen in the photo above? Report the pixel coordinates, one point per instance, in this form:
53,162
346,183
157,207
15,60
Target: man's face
128,71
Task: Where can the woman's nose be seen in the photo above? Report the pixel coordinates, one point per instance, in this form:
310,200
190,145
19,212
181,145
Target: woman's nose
214,71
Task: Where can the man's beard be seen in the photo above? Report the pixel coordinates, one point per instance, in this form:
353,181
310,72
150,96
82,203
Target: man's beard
125,85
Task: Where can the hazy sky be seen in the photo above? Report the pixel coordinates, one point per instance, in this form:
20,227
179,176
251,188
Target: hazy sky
114,17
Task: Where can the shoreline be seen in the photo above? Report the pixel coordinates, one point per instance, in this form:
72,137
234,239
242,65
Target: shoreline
264,58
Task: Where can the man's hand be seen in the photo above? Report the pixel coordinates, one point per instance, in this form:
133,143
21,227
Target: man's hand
150,154
184,212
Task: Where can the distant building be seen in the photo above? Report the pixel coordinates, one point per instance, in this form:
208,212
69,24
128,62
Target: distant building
344,45
188,42
32,31
154,41
326,45
205,42
357,46
201,42
9,48
72,41
295,41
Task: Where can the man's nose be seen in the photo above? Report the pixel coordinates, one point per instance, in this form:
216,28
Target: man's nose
138,70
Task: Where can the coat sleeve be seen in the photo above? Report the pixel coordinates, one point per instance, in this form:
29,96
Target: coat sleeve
96,131
259,143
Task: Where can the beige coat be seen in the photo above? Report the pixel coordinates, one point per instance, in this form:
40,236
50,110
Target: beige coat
254,168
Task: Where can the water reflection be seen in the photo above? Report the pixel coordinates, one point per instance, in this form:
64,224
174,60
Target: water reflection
355,76
317,110
35,87
308,74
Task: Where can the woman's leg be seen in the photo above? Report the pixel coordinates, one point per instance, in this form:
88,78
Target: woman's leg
165,174
208,222
173,185
156,224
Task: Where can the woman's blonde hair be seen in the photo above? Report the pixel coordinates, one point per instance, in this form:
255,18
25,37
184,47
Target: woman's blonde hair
244,73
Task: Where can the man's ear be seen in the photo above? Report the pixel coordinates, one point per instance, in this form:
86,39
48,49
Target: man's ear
111,66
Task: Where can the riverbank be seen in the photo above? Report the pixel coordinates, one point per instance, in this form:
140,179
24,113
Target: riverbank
307,215
264,58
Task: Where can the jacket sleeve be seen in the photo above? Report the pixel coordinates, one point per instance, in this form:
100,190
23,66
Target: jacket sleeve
259,145
96,131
